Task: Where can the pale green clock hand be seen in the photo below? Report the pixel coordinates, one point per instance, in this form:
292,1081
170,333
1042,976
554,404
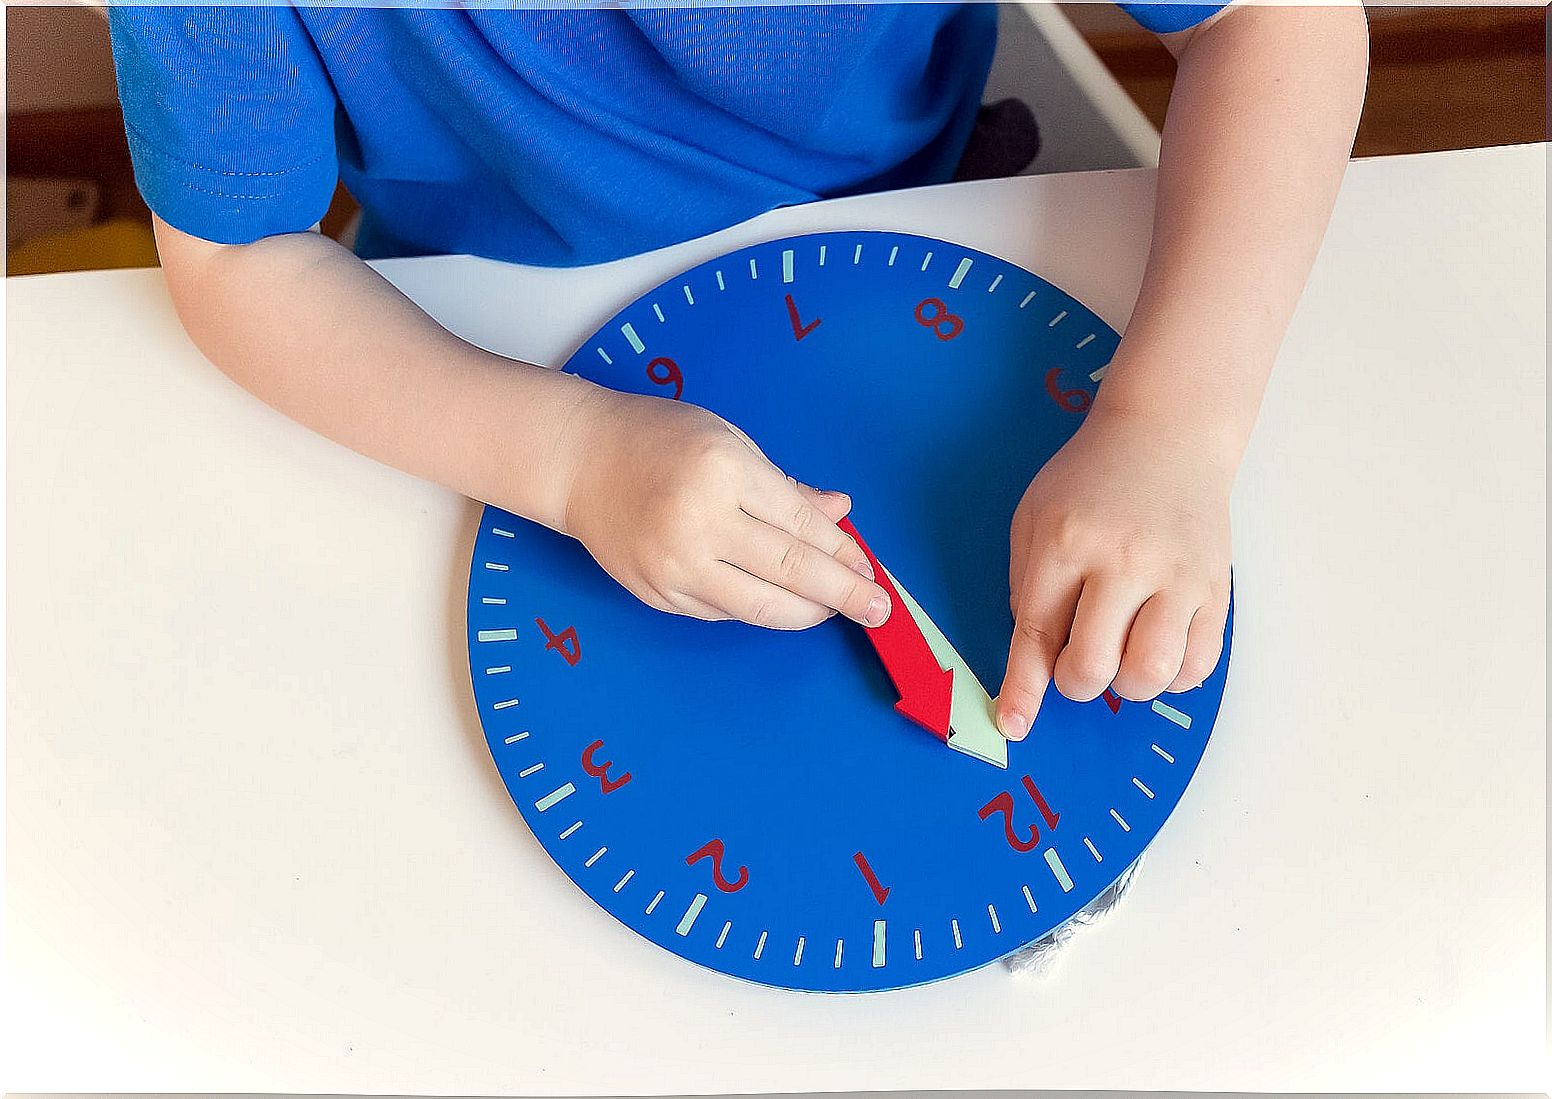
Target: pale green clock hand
972,718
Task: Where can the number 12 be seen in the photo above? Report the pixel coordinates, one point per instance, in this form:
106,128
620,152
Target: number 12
1003,803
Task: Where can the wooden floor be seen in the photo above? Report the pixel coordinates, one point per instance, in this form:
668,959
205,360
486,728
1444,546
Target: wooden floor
1440,78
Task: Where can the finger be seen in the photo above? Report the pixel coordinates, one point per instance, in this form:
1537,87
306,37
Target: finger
1204,645
1155,647
834,505
761,603
1040,627
779,502
776,556
1100,624
691,607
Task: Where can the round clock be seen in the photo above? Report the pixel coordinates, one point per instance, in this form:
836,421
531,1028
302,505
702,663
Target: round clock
753,800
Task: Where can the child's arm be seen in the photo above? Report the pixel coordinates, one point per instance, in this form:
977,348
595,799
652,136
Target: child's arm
1120,548
676,504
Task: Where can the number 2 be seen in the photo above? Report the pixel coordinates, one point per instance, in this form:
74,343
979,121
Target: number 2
716,852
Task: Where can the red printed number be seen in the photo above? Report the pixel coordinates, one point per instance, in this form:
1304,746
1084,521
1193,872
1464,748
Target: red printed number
799,329
932,313
600,771
714,851
1070,400
664,371
880,892
1003,804
1112,700
566,642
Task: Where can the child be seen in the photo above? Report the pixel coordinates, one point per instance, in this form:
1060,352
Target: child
576,136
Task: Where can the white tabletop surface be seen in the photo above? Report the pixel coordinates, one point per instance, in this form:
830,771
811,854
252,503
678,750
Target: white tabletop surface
256,842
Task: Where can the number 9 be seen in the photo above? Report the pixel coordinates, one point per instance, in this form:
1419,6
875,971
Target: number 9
670,374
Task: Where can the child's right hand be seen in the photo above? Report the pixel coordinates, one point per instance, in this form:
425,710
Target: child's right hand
684,510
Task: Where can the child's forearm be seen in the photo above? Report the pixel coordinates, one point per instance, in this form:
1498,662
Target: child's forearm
313,331
1260,127
716,532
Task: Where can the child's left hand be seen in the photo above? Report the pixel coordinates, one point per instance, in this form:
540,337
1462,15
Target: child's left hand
1119,571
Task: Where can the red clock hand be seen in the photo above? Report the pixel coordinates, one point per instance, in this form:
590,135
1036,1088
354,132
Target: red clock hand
926,689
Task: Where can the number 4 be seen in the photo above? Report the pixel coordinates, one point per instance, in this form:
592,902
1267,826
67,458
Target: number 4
566,642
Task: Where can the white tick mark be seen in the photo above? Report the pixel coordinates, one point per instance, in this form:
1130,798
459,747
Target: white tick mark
893,252
1054,861
856,257
1029,899
505,704
619,885
604,355
759,947
515,737
652,904
500,533
658,309
1054,321
1092,850
1027,299
996,282
959,273
786,265
1085,341
797,955
996,926
722,938
1118,819
688,297
838,944
497,635
571,830
554,798
595,856
534,770
1165,710
1137,782
958,942
493,601
878,944
496,566
720,284
1098,375
687,921
1166,756
499,669
629,331
917,937
926,261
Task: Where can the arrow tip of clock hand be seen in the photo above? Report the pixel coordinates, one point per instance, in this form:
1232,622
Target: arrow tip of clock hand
929,702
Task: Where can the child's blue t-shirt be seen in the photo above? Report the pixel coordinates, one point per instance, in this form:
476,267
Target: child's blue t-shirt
556,137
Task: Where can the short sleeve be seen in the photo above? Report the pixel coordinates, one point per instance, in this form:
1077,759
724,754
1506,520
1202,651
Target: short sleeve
1165,16
230,118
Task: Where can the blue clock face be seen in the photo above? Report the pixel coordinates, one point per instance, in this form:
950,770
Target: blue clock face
749,799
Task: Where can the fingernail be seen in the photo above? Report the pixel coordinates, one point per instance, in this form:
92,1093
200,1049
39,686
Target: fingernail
1014,726
862,568
878,611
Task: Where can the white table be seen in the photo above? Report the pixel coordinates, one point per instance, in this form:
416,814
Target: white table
242,860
